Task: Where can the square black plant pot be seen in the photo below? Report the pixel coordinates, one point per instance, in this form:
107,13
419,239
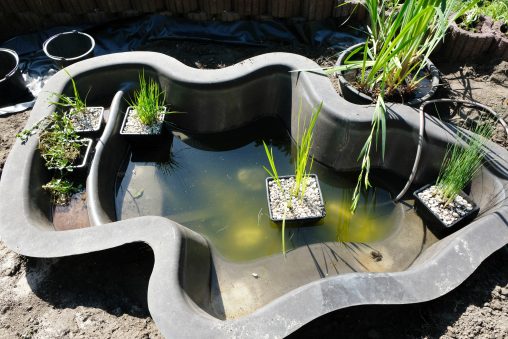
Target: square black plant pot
81,164
311,208
152,145
92,122
434,222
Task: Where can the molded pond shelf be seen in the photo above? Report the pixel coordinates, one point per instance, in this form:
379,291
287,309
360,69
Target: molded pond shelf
203,210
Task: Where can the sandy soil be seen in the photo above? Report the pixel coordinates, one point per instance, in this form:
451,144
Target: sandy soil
103,295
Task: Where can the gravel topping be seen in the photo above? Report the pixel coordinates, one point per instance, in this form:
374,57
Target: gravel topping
134,126
88,120
448,214
311,206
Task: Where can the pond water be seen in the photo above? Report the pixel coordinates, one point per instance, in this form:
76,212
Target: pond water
215,185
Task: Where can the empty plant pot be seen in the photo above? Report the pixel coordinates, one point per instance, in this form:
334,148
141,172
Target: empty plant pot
69,47
89,121
13,89
441,218
308,208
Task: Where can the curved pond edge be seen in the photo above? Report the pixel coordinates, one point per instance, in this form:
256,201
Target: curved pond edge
179,284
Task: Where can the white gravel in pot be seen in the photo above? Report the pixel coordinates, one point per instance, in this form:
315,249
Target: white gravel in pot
448,214
87,120
311,206
134,126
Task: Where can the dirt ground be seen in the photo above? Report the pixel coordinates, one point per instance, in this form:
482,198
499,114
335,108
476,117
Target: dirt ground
103,295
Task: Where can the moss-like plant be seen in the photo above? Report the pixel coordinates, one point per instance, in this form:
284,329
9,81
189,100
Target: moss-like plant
148,100
462,163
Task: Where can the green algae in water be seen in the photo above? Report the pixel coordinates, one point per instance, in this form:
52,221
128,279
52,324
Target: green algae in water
215,186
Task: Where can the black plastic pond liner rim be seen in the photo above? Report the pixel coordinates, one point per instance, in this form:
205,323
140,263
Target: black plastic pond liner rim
434,223
351,94
12,85
294,220
69,47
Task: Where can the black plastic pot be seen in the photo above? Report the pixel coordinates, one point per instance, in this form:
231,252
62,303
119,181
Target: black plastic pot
13,89
84,159
351,94
309,219
69,47
434,223
148,147
95,129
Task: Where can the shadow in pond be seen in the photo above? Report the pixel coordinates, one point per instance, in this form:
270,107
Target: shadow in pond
115,280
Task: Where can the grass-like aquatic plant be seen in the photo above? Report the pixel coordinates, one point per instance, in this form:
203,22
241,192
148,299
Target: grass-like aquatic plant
304,141
75,102
148,100
462,163
390,64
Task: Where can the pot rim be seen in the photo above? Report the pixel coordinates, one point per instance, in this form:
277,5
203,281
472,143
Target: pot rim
433,71
58,58
16,58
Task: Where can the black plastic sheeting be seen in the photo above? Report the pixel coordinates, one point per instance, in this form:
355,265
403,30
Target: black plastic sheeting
129,35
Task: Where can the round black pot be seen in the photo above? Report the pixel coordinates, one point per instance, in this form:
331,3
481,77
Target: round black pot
351,94
13,89
69,47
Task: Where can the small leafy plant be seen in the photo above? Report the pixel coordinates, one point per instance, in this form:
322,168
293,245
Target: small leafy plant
497,10
61,190
148,100
462,163
59,144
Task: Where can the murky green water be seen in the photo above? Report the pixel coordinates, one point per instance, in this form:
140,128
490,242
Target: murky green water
216,186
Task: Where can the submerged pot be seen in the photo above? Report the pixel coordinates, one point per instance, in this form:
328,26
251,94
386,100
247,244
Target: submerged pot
13,89
351,94
69,47
153,144
89,122
311,208
464,212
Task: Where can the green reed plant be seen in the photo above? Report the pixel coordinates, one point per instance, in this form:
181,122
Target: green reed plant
400,39
148,100
462,163
75,102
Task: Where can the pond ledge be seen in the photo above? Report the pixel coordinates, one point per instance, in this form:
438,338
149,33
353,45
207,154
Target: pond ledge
177,292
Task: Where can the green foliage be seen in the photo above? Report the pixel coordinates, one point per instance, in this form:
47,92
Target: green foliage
462,163
401,36
304,144
61,189
497,10
273,169
148,100
75,102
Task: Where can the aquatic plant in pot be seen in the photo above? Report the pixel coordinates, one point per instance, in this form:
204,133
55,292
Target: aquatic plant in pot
144,119
296,197
444,206
86,120
392,65
64,153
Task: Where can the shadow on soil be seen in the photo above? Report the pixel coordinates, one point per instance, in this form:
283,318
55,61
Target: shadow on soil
429,319
114,280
